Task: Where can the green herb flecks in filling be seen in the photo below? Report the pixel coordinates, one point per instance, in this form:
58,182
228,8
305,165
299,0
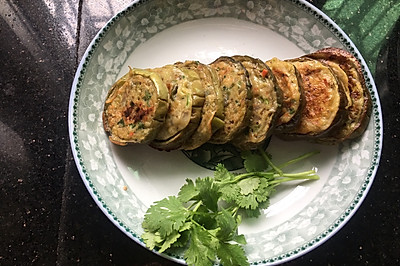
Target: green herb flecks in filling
121,123
147,97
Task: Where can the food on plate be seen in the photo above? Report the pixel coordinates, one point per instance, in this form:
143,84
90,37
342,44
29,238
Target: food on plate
321,97
360,106
186,101
135,107
203,218
266,101
212,111
236,92
325,100
291,84
180,101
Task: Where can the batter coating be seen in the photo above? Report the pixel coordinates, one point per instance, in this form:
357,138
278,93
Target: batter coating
135,107
265,103
235,87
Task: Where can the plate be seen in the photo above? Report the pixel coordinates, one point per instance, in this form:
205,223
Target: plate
124,181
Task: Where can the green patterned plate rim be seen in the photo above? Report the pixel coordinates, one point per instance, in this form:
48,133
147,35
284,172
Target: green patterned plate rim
349,176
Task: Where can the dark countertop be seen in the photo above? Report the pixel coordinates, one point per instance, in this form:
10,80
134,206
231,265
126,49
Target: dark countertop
47,217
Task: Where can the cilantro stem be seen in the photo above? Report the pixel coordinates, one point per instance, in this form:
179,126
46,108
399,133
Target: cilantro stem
282,180
301,157
243,176
236,179
197,206
301,175
235,210
311,174
266,158
308,175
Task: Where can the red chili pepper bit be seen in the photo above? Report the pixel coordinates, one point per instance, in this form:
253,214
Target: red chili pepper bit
264,73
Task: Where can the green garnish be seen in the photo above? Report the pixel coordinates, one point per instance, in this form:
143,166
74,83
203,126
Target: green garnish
208,230
140,125
121,123
147,97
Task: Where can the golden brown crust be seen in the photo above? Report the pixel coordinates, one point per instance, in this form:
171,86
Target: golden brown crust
361,105
135,108
291,84
111,94
324,100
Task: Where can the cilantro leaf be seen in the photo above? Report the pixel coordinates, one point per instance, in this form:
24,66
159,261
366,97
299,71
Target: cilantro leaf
195,219
200,251
253,162
240,239
208,192
165,216
251,213
204,217
169,240
188,191
228,225
182,240
152,239
230,192
222,174
232,255
264,191
247,201
248,185
263,204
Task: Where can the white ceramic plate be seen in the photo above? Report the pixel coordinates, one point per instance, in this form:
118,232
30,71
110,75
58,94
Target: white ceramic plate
124,181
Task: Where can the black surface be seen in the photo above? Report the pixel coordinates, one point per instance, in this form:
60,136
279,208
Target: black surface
47,217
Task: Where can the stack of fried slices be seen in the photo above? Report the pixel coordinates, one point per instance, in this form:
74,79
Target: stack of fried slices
240,100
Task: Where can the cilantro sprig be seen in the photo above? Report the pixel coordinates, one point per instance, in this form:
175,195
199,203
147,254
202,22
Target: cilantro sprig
205,215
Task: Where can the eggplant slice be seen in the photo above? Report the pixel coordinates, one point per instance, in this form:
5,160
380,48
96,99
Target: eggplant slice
192,85
135,107
325,100
321,97
235,87
176,141
266,103
210,108
293,102
361,105
180,107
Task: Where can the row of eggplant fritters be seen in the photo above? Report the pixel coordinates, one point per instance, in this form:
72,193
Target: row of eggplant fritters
241,100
